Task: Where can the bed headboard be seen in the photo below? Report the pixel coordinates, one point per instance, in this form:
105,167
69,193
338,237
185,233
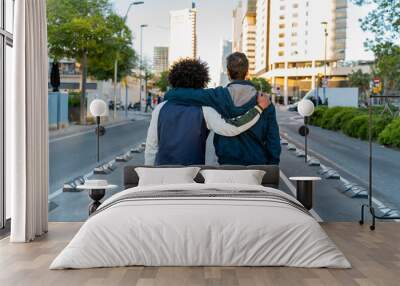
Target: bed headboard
271,178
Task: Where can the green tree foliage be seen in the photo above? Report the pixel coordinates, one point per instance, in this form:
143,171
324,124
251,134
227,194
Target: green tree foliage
360,79
162,82
383,21
388,65
92,34
261,84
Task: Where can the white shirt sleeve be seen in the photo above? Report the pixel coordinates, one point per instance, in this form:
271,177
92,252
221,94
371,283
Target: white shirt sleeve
217,124
151,150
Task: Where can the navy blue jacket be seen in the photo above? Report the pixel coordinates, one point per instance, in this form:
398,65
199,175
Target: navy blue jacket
260,145
182,135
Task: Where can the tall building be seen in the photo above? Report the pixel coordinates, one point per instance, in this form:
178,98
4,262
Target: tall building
244,31
290,45
237,36
160,59
226,50
183,34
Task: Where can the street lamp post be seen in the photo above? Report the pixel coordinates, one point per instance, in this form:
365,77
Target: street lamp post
141,64
325,26
116,62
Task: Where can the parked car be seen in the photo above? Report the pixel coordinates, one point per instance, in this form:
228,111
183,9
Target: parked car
311,95
134,106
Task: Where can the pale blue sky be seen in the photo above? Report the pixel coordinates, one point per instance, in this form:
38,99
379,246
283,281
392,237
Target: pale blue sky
214,24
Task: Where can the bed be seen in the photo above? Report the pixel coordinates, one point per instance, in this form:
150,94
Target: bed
199,224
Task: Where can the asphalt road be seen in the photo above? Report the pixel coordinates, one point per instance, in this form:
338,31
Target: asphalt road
349,156
74,155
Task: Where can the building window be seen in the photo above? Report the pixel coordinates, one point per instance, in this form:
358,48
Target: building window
281,26
295,24
281,44
281,35
6,62
281,53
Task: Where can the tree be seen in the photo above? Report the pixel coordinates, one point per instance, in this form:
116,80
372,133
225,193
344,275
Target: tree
55,76
383,21
388,65
92,34
360,80
117,46
162,83
261,84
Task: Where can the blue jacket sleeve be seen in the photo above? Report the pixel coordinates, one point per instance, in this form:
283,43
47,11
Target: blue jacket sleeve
217,98
272,137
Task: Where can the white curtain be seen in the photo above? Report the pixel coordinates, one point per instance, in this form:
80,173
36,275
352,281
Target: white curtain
27,124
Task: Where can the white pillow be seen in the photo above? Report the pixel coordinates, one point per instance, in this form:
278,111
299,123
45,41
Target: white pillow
166,176
246,177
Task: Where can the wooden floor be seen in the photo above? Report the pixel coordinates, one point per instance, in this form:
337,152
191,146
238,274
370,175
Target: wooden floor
375,257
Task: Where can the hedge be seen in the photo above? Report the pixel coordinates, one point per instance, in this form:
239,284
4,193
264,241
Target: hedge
354,123
391,134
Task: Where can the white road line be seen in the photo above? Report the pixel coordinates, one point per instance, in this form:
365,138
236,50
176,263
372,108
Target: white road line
293,190
84,132
374,200
60,191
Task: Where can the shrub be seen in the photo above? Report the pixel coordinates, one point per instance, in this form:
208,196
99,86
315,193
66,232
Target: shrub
353,127
328,115
74,99
391,134
344,115
315,119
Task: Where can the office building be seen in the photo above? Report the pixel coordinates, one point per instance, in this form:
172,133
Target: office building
183,34
226,50
290,45
160,59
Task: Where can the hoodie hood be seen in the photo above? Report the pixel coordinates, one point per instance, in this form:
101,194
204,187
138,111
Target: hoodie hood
241,92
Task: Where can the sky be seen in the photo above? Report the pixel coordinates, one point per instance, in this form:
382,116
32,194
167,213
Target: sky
214,24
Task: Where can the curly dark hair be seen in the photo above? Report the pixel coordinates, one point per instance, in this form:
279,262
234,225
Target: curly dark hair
189,73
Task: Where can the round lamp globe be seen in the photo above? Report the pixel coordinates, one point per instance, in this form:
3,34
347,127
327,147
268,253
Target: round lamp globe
305,108
98,107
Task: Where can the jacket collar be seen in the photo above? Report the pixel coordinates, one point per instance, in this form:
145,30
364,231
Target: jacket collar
241,82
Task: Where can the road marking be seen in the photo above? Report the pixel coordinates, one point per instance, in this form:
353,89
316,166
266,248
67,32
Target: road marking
293,190
60,191
374,200
85,132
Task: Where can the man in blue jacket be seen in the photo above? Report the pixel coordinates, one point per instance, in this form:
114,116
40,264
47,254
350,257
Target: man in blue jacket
259,145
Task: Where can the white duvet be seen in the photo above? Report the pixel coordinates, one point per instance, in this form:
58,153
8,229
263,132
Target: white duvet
200,232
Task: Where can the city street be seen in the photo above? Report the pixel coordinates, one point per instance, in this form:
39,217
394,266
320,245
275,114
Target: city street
75,154
349,157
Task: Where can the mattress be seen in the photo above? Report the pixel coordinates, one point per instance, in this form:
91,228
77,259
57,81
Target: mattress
201,225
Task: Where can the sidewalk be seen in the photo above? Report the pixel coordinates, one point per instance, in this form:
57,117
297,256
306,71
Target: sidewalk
75,128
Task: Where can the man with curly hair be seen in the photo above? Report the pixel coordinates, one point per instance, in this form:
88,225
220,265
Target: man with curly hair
178,133
260,145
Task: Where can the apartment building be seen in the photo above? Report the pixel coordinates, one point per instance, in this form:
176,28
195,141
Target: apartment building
183,34
160,59
244,34
292,46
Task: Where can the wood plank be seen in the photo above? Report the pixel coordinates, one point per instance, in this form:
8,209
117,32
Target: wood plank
375,257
